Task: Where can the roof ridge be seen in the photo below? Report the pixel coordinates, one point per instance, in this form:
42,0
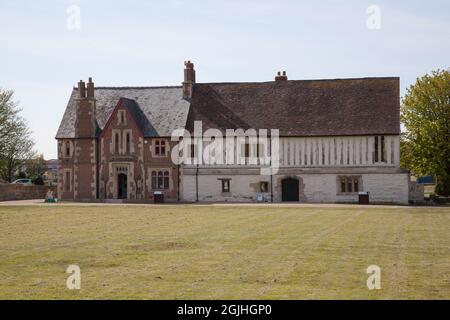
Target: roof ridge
136,87
302,80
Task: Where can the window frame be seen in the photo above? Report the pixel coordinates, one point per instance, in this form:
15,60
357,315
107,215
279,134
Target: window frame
160,148
349,185
160,179
261,189
225,185
67,181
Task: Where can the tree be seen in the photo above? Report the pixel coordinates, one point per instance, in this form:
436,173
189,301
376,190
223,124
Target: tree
36,167
425,112
16,145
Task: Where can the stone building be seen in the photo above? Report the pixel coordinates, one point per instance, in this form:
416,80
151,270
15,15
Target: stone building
336,138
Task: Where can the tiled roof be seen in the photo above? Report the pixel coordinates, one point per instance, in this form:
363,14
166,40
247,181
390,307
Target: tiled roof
365,106
160,110
300,108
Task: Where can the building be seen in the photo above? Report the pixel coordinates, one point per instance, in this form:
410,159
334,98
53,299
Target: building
336,138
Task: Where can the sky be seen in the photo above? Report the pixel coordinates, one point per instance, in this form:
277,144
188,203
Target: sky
45,49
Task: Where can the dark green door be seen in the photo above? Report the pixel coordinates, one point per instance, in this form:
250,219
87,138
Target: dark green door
289,189
122,186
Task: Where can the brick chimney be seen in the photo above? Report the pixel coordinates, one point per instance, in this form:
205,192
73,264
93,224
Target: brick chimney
85,121
81,89
281,77
189,79
90,88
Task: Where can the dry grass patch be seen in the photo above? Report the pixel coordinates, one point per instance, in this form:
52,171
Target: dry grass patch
224,252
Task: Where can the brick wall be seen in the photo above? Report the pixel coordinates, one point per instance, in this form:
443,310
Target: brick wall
21,192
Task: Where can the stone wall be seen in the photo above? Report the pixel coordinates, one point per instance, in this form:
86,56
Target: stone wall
314,187
23,192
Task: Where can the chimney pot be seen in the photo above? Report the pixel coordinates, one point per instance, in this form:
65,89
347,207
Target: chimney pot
90,88
189,79
280,77
81,89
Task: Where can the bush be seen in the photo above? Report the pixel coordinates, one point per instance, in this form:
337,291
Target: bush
38,181
443,187
21,175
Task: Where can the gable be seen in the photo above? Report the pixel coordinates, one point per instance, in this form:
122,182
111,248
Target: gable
162,109
124,115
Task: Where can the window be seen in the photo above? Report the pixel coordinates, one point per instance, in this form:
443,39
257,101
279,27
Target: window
264,186
383,157
246,150
121,117
260,150
67,145
376,149
160,179
379,149
127,148
225,185
193,150
67,182
160,148
349,184
116,143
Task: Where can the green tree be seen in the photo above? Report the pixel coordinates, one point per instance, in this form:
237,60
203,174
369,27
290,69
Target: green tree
16,144
425,112
36,167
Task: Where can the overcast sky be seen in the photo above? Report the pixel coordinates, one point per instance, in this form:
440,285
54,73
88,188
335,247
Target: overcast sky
43,53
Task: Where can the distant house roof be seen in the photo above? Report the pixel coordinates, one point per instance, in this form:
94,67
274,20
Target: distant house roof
159,110
300,108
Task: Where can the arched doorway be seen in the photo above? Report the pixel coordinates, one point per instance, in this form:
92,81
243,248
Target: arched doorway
122,186
289,189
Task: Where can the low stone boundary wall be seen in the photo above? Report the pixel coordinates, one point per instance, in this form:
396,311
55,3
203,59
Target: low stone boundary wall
23,192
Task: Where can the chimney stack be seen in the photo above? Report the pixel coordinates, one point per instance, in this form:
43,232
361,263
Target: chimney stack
90,88
281,77
189,79
81,89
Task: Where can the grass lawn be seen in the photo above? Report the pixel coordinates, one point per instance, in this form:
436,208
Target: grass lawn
223,252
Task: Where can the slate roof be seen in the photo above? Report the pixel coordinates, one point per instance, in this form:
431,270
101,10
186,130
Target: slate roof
363,106
159,110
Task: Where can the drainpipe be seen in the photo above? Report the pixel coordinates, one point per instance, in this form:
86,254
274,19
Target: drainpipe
271,179
178,189
97,183
196,183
